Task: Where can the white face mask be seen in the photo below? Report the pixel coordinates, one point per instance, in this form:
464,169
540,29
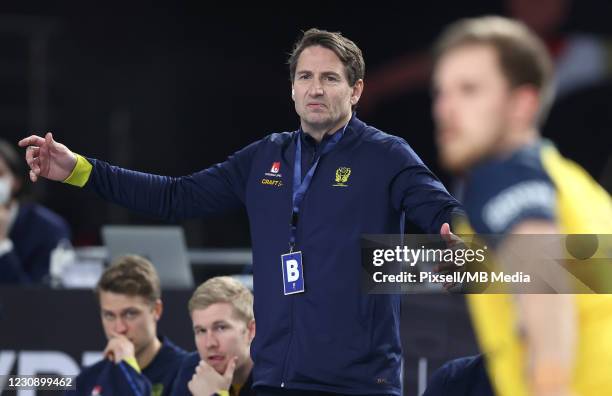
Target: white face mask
5,190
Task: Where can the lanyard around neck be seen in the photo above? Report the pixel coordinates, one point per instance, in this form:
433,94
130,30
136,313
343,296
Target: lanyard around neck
301,186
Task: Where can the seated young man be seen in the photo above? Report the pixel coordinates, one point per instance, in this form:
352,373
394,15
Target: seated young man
221,310
137,361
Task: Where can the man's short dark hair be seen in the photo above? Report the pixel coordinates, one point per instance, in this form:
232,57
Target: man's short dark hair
349,53
133,276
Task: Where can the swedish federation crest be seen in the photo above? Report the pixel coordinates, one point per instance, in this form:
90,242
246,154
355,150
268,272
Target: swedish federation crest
342,176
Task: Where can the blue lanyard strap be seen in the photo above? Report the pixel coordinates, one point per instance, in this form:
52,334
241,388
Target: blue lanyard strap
301,186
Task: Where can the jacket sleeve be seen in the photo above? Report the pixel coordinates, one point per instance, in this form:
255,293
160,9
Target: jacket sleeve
217,189
419,193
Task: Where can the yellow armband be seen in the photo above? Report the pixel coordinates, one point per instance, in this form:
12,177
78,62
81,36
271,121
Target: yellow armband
81,172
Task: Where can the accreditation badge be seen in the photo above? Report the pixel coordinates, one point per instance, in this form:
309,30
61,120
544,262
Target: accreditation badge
293,274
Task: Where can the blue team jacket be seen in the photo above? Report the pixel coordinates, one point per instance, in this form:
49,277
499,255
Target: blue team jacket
108,378
333,337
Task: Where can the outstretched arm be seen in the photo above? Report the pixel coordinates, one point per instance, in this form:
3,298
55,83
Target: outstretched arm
211,191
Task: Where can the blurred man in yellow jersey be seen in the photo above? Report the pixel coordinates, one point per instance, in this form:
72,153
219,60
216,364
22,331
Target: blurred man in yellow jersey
492,85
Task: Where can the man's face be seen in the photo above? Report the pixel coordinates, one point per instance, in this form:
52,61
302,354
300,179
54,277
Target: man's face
471,106
321,91
131,316
220,335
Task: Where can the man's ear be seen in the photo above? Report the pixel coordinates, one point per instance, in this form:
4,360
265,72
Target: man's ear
525,104
357,91
251,329
158,309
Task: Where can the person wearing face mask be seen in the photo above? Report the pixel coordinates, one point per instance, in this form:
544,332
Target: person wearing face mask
28,232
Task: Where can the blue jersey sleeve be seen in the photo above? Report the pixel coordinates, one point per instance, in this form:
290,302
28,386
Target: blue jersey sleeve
502,194
112,379
217,189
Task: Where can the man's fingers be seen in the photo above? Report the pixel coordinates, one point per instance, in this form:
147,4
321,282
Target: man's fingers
49,138
109,353
31,153
446,233
33,163
33,176
229,370
32,140
202,366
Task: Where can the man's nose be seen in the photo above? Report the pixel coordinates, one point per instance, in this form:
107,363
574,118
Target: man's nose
316,89
120,326
211,341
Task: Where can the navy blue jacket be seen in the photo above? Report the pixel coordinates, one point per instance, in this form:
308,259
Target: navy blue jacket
185,374
107,378
35,233
333,337
156,379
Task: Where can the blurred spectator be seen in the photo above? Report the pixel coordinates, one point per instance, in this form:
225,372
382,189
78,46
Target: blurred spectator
28,232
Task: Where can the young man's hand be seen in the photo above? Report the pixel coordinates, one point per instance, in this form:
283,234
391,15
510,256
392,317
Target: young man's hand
207,381
119,348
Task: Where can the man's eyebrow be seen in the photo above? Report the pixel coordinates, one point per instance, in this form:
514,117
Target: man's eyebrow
131,309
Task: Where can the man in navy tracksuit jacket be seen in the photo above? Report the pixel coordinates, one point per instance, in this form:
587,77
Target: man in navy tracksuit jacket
332,337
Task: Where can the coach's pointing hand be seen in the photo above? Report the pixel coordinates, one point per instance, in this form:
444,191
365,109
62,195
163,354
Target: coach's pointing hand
48,158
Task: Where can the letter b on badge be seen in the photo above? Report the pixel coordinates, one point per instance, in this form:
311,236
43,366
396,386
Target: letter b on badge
293,275
292,270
